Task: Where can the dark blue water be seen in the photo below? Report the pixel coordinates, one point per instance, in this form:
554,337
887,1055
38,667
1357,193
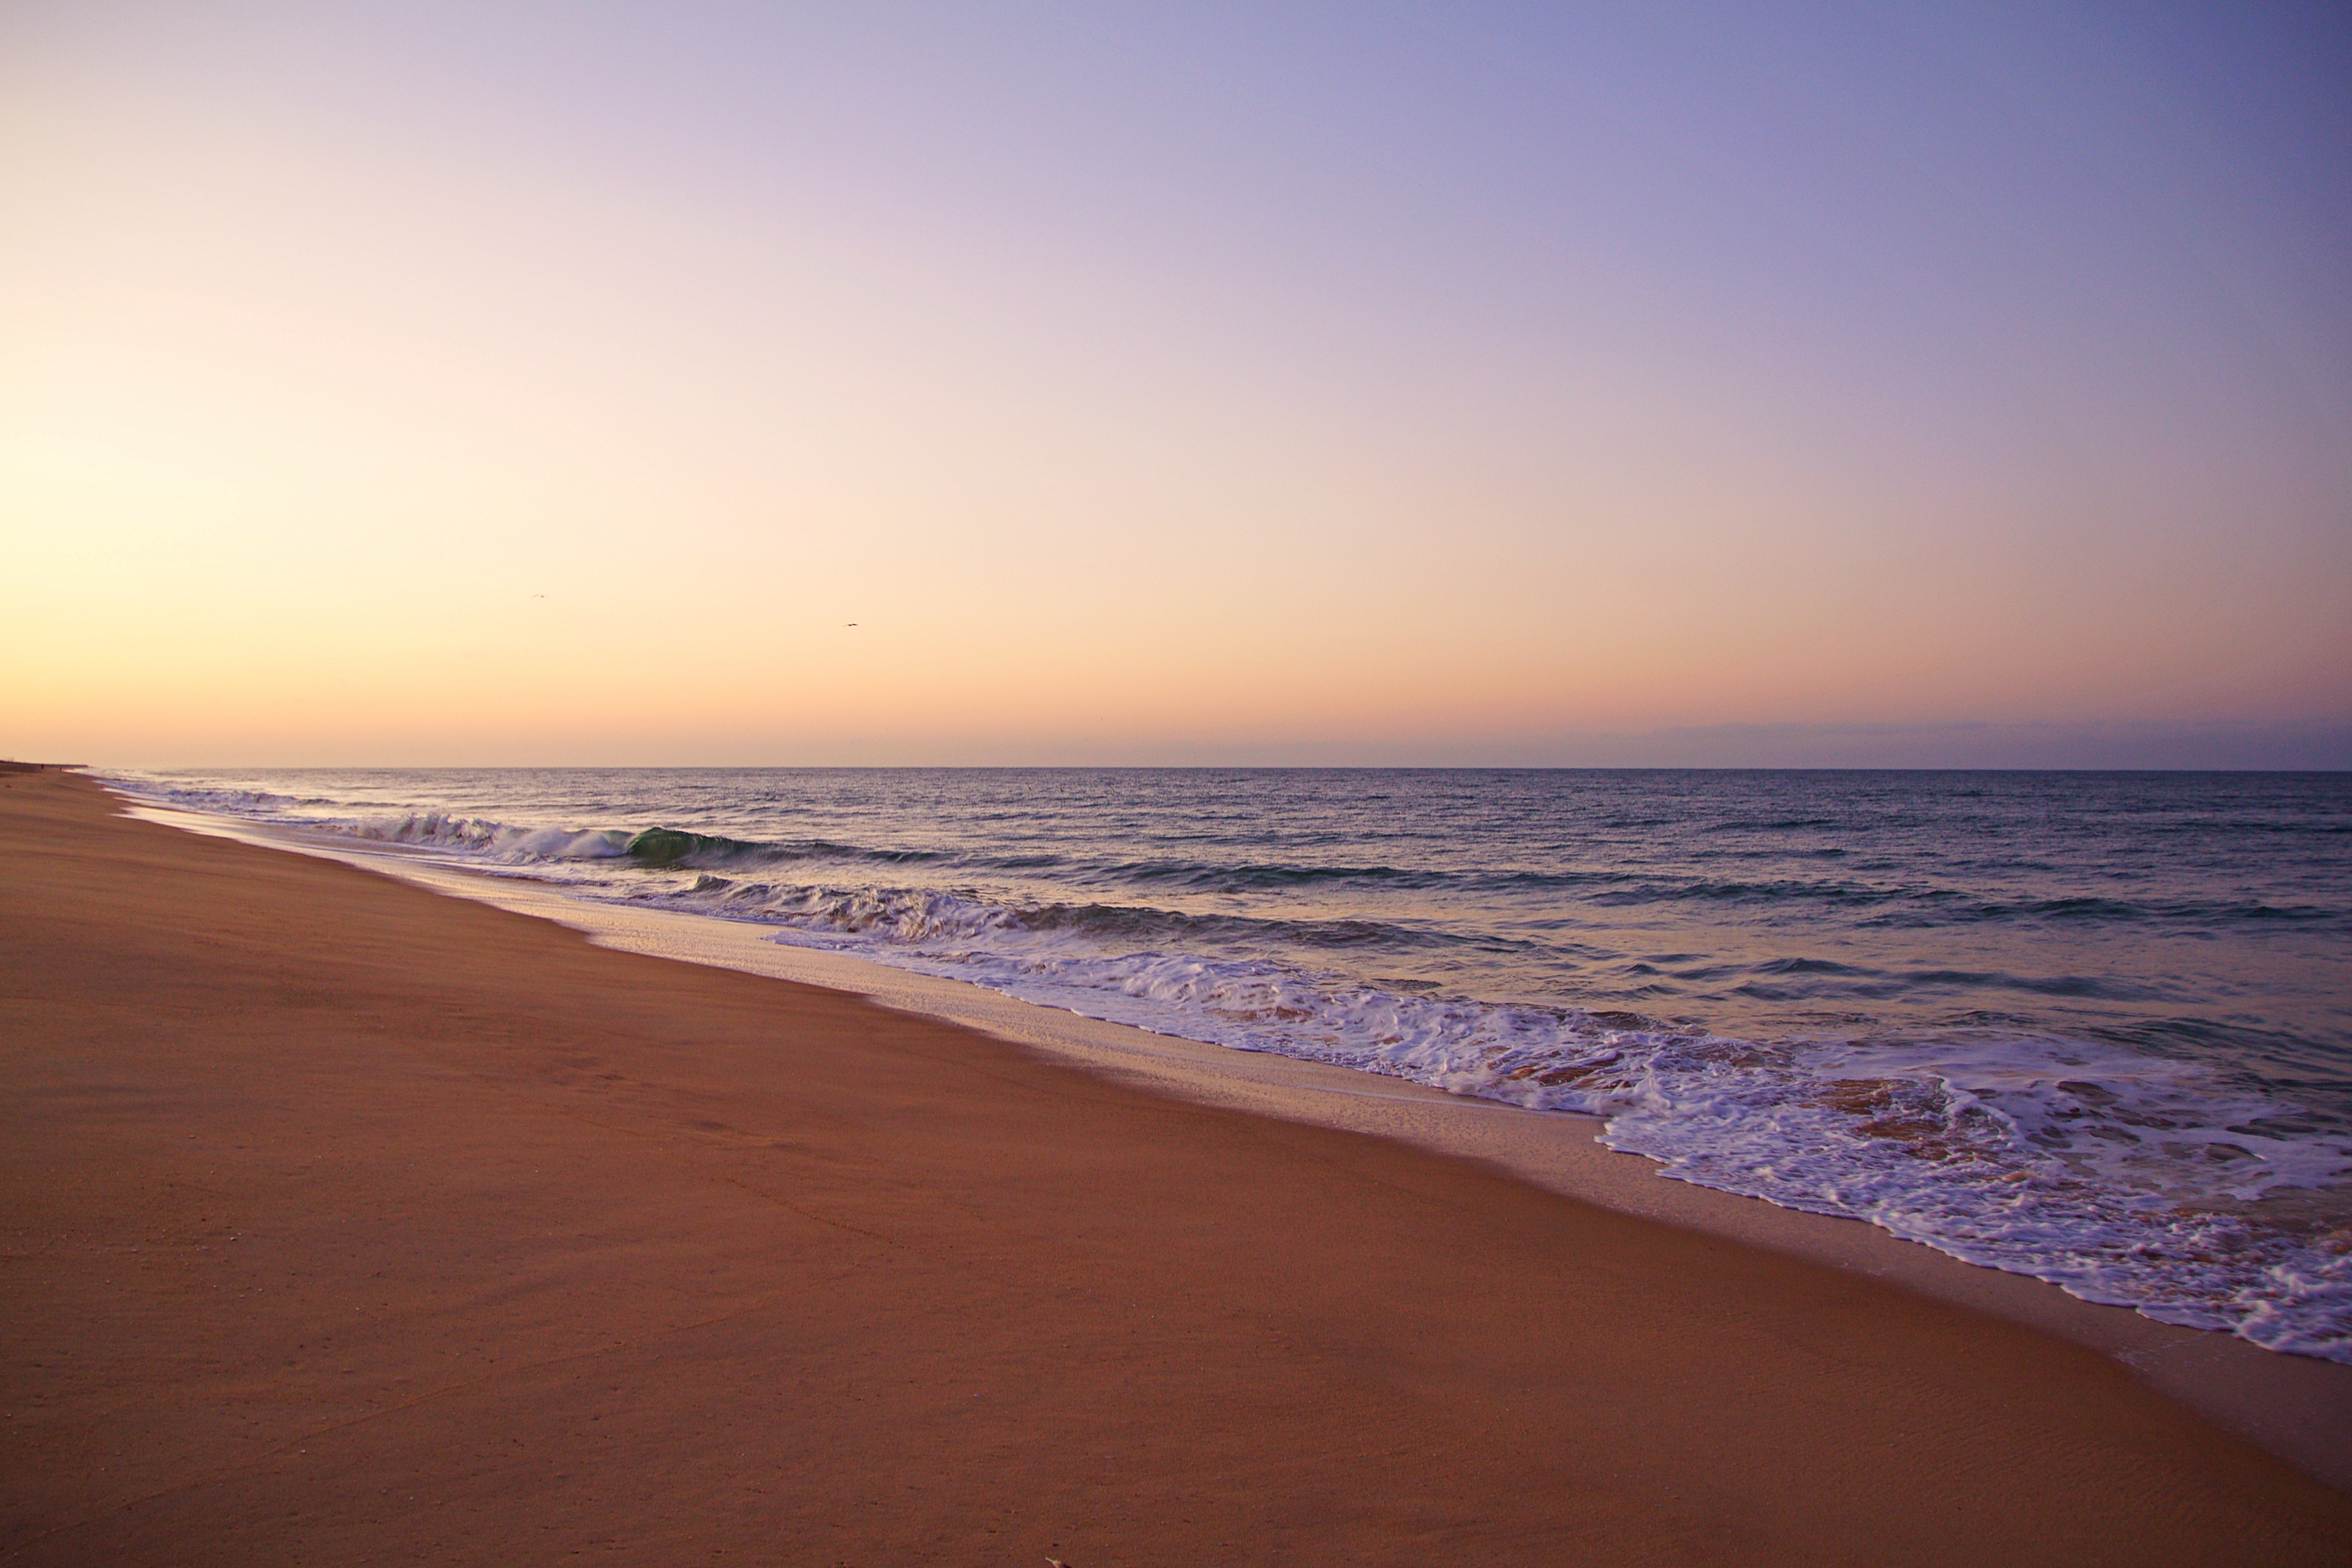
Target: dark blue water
2096,1027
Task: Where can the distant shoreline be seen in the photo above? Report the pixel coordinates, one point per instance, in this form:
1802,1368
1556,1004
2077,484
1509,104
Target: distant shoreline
2087,771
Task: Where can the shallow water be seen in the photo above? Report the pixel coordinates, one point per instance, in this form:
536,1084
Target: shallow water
2093,1027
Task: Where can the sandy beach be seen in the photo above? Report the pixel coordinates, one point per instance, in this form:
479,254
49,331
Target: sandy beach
350,1222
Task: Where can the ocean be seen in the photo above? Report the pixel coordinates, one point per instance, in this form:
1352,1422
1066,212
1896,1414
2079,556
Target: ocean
2091,1027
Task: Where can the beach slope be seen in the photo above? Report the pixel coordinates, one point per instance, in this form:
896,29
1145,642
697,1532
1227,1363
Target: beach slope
346,1223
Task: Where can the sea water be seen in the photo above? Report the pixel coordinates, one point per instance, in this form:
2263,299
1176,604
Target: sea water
2092,1027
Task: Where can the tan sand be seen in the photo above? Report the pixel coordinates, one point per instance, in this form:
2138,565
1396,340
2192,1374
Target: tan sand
347,1223
2296,1407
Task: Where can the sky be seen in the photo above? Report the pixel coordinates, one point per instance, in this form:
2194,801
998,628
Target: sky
730,384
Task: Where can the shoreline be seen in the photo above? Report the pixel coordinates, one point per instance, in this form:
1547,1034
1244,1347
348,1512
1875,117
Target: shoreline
353,1221
2297,1407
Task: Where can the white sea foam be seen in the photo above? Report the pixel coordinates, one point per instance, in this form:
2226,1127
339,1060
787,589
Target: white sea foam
2118,1176
491,840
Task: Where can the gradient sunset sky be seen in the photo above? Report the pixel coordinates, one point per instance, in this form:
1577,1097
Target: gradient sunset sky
1716,384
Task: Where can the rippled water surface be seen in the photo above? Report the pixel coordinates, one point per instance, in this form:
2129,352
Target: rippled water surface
2096,1027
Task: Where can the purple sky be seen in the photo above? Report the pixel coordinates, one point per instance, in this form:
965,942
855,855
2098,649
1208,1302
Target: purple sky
1732,384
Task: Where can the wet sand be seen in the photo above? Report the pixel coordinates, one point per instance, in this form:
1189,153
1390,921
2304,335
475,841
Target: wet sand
351,1223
